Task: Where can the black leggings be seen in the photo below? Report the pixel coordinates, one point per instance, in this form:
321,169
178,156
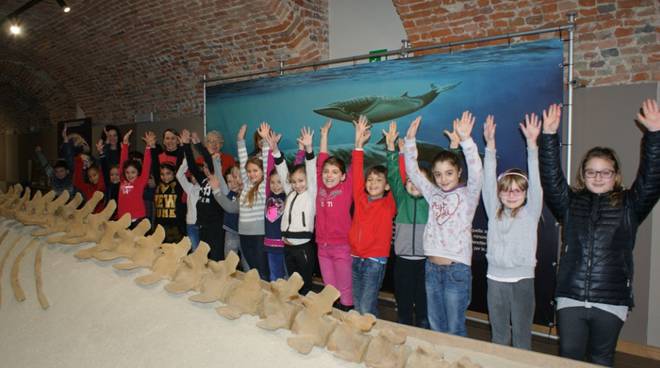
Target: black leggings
255,254
214,236
588,334
410,292
301,259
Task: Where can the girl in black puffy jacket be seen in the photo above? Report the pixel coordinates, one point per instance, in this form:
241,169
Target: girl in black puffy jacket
600,220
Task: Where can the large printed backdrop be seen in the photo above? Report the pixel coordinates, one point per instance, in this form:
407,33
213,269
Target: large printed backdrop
506,81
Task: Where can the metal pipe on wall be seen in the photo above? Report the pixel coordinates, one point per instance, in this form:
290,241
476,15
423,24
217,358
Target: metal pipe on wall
281,68
571,87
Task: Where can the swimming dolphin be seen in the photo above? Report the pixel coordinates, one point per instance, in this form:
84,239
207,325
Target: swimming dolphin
381,108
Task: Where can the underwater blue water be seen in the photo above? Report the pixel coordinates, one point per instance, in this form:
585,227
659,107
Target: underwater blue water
507,81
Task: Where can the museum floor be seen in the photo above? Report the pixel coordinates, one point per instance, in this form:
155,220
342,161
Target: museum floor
544,345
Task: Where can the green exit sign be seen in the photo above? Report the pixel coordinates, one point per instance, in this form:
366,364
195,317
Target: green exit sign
375,52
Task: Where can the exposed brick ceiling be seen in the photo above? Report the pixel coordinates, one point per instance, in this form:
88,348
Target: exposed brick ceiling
117,58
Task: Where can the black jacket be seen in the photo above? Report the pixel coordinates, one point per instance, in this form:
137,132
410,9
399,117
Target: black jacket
598,237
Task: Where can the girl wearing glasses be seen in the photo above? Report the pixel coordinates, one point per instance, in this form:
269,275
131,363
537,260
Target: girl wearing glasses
600,220
513,202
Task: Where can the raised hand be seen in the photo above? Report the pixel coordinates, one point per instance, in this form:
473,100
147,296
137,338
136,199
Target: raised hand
551,119
150,139
306,138
127,137
531,129
273,139
325,130
241,133
650,116
390,136
194,138
99,146
65,136
185,136
212,179
362,131
263,130
105,132
412,129
489,131
465,125
454,139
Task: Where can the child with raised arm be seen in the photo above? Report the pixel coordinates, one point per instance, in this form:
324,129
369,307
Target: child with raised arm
333,221
135,176
273,244
297,227
228,193
448,232
371,231
513,202
412,214
59,175
88,179
600,220
253,202
209,212
192,189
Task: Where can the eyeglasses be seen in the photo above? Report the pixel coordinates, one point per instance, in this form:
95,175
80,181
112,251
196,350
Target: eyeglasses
513,192
605,174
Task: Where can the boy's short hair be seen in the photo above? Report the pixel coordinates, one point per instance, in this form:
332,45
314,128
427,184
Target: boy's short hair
61,164
377,170
299,168
135,155
228,171
167,166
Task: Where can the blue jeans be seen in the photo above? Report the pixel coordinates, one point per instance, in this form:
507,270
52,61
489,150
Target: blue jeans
193,234
276,263
448,293
367,279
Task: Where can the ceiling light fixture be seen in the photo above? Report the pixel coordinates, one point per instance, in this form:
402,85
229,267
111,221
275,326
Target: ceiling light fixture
65,8
15,29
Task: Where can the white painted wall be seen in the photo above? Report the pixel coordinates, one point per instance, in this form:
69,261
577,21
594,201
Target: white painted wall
358,26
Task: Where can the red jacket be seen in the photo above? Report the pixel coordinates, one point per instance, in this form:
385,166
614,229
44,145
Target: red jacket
371,230
86,188
130,193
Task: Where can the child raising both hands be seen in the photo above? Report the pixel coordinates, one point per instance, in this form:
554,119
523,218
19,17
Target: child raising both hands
371,230
448,232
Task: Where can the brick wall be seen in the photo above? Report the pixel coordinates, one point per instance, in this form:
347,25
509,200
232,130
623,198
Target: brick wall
114,59
616,41
117,58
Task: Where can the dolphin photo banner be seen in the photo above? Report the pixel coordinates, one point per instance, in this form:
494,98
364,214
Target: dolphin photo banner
506,81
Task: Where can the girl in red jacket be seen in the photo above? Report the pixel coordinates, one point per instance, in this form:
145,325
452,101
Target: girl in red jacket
132,184
88,178
371,231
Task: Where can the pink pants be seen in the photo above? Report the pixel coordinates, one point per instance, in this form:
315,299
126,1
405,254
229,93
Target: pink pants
336,268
